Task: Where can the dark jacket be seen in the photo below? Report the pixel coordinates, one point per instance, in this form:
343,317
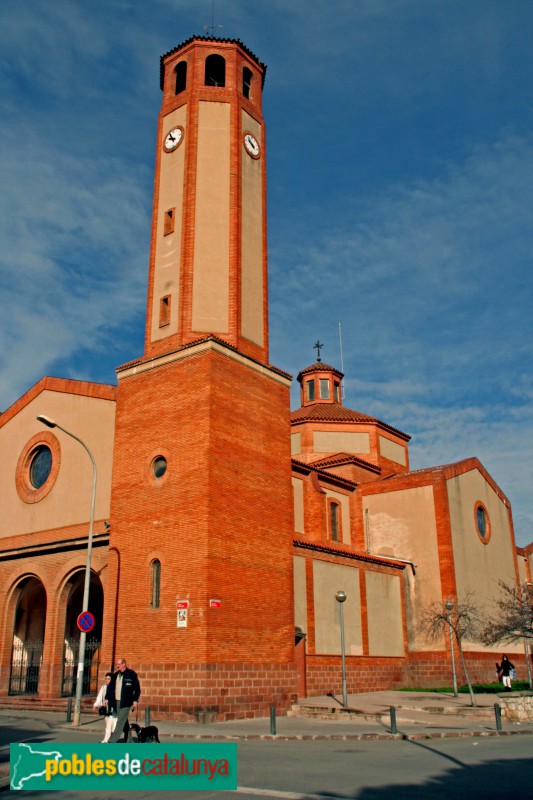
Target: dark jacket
505,667
131,689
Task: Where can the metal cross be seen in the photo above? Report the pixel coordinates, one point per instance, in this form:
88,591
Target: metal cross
212,27
317,347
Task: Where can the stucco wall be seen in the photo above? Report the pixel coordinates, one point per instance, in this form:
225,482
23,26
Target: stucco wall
384,610
210,298
168,248
68,502
341,442
402,524
328,579
300,597
392,450
479,565
252,278
296,443
298,495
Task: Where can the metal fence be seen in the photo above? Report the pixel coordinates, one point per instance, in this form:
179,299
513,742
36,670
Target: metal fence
90,668
26,660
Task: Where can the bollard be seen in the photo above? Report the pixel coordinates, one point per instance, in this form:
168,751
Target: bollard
498,713
393,726
69,709
273,720
147,722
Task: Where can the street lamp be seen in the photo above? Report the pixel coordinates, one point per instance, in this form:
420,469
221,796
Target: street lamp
83,635
340,597
449,605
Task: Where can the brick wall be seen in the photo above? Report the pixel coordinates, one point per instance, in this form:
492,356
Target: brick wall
193,692
220,522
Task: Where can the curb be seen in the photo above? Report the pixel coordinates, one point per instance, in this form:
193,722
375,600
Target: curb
343,737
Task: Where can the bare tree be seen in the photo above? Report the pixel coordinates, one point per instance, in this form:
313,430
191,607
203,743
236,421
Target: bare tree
462,618
512,620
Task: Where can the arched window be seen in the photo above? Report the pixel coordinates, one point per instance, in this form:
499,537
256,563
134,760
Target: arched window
334,521
246,82
181,77
215,71
155,582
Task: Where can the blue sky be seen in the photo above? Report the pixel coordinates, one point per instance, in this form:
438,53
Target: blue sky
400,177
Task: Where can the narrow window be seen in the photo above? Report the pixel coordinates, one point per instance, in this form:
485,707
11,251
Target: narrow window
169,221
164,311
246,82
310,390
336,393
215,71
181,77
155,582
334,520
324,389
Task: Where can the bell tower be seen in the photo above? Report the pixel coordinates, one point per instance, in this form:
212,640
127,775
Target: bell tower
208,260
201,507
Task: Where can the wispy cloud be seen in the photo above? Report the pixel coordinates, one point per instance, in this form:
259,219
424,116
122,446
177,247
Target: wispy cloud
400,195
73,261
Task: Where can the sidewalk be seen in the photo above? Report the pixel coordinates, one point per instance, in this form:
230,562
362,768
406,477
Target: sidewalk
418,715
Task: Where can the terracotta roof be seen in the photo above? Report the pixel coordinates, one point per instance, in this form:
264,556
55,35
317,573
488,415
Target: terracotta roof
331,412
215,40
312,467
340,550
344,458
320,366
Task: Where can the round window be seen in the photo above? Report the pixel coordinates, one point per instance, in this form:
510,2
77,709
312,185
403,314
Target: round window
159,466
482,522
40,466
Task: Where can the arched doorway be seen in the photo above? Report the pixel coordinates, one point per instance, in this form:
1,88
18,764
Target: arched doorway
72,635
28,637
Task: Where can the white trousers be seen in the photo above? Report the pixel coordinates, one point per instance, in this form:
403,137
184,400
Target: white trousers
110,725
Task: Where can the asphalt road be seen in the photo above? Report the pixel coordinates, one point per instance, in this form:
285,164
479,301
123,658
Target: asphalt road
470,768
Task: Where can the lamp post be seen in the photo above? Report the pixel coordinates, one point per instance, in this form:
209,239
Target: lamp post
83,635
449,605
340,597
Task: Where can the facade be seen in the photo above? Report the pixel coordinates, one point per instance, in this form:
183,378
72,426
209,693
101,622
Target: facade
224,524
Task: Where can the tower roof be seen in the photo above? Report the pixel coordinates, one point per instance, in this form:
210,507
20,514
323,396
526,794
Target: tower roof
319,366
331,412
215,40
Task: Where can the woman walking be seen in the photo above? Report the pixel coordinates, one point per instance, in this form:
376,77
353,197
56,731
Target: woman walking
106,709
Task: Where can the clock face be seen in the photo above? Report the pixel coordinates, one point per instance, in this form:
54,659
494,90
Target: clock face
252,145
173,139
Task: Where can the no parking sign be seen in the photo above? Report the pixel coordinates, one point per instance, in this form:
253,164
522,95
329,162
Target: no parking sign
86,621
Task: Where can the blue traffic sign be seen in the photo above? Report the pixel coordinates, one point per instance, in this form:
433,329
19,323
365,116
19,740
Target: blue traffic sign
86,621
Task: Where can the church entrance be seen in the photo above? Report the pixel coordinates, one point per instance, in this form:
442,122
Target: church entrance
28,638
72,636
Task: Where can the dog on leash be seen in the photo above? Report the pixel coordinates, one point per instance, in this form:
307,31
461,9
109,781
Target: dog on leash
144,735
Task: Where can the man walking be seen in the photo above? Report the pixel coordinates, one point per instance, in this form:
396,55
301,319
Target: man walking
123,694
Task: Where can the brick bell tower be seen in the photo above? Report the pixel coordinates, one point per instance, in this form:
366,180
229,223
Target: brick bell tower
199,596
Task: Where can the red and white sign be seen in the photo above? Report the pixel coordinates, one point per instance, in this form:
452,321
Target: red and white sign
215,603
182,604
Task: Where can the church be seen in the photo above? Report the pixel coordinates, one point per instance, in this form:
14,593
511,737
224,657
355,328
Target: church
225,524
